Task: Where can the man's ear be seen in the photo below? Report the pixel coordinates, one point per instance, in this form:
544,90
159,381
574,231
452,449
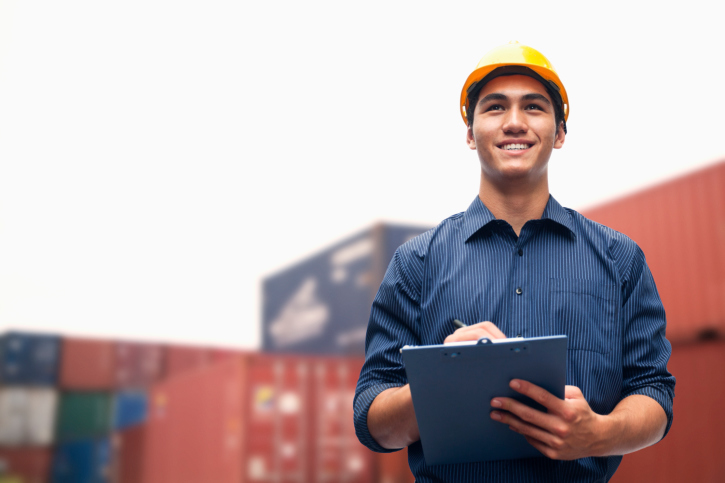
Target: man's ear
469,138
560,136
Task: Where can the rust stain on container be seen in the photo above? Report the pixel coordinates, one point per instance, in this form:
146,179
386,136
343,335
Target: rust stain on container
680,226
693,450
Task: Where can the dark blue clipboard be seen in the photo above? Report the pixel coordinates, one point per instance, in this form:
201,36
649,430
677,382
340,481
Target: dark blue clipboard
452,387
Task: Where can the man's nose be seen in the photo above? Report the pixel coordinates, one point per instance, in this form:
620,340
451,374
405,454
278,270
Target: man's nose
515,121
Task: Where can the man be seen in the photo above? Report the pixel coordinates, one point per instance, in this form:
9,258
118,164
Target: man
527,267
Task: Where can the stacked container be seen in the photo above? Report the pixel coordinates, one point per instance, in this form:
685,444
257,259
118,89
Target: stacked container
680,226
28,400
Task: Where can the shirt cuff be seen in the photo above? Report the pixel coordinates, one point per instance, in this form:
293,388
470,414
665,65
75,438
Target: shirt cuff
361,407
662,396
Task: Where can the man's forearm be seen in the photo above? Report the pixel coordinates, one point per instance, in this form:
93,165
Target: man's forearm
391,418
636,422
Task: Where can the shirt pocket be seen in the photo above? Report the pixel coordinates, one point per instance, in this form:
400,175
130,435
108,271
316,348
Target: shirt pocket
586,312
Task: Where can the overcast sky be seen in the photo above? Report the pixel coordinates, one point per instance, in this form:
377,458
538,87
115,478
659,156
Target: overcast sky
158,158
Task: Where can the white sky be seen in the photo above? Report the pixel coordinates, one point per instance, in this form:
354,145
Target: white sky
157,158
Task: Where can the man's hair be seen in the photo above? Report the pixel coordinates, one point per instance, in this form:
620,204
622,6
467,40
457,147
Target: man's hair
476,91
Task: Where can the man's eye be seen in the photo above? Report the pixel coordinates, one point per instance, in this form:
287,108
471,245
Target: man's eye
495,107
534,107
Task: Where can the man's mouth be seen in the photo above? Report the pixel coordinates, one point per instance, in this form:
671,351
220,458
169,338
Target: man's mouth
515,147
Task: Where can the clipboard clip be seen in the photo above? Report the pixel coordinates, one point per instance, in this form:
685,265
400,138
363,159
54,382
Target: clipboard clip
484,340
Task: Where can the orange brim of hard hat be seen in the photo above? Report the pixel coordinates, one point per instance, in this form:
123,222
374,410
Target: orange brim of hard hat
546,74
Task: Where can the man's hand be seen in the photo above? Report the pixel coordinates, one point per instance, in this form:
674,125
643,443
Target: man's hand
570,430
475,332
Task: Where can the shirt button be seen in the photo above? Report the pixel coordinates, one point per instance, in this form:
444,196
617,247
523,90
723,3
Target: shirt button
519,291
521,252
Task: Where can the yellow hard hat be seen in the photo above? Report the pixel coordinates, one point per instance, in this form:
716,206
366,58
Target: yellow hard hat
516,54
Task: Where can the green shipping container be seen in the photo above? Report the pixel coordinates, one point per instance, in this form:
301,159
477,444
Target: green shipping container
83,415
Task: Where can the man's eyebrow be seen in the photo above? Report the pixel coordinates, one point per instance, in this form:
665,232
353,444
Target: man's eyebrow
536,97
493,97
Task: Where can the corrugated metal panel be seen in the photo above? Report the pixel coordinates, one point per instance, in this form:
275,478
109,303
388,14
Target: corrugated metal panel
83,415
27,416
322,305
87,461
31,464
680,226
194,428
182,359
88,364
138,365
29,359
693,450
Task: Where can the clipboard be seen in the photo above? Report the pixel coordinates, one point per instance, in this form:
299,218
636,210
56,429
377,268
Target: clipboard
452,386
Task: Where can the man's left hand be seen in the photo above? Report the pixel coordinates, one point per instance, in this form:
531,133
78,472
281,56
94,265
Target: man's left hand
569,430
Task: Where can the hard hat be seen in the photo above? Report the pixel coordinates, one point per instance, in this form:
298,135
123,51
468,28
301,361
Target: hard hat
519,55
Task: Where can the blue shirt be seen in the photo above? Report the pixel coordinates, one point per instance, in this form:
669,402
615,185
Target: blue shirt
564,274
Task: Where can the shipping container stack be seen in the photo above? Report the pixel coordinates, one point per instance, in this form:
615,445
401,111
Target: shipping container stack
680,226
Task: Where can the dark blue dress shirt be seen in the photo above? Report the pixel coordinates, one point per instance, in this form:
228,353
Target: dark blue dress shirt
564,274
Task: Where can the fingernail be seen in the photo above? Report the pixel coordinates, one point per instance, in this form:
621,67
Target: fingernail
496,416
515,385
496,403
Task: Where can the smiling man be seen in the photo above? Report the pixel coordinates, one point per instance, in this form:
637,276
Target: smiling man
520,265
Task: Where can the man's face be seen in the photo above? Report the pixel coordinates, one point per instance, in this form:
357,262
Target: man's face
514,130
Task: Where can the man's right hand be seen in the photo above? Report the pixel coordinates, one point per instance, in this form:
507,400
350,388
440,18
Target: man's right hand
475,332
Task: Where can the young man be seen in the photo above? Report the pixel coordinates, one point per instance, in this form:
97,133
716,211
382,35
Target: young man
527,267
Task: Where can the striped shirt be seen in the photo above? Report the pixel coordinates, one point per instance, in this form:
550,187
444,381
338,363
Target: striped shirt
564,274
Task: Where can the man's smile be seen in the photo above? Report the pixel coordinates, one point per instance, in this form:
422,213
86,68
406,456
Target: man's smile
509,146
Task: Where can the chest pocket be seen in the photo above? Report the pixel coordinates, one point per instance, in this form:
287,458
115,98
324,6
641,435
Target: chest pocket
586,311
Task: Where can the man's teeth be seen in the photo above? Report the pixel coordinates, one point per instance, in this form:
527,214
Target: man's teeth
510,147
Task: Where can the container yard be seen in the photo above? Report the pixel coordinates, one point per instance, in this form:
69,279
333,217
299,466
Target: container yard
119,411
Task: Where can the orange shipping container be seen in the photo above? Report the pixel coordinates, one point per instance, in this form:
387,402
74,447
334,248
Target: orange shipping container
693,450
680,226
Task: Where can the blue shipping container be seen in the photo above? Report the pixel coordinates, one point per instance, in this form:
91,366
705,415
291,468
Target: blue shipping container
322,305
130,408
29,359
85,461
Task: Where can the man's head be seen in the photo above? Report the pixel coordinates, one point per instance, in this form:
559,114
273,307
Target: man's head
515,59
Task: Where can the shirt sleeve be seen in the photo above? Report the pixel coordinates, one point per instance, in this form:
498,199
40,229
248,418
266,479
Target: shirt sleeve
394,313
646,351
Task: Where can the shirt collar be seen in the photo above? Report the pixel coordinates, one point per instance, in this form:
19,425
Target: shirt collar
478,217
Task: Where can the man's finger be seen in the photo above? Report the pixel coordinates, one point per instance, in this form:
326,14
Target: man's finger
522,427
523,412
538,394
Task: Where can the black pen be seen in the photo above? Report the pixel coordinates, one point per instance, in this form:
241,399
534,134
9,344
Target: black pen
459,324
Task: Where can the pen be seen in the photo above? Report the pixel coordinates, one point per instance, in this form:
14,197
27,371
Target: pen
459,324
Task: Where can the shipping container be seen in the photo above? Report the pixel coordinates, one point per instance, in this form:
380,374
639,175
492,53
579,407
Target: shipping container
138,365
29,359
183,359
322,305
130,408
88,364
83,461
32,465
194,430
83,415
680,226
393,467
693,450
129,448
27,416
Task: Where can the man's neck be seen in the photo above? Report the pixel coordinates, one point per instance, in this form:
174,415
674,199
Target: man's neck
515,204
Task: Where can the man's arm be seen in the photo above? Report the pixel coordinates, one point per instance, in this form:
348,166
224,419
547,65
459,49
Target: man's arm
391,418
571,430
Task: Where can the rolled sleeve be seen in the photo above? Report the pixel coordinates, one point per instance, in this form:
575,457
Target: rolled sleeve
646,350
395,310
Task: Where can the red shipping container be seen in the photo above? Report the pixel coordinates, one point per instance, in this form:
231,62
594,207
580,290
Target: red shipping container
693,449
680,226
138,365
339,456
194,431
393,468
31,464
129,447
181,359
88,364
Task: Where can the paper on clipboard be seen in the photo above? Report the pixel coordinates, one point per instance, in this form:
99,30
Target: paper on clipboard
452,386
